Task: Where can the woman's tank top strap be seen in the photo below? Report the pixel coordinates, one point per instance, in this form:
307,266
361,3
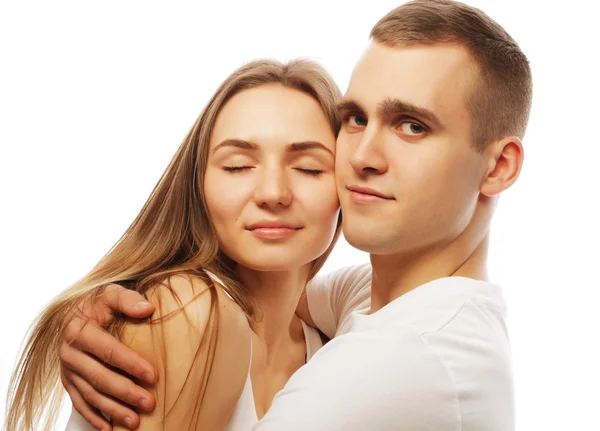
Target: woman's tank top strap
313,340
213,279
244,416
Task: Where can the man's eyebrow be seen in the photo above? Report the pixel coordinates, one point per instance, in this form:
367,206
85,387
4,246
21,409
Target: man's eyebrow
391,107
237,143
308,145
350,106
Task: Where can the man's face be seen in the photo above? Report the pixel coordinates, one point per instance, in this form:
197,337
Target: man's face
408,176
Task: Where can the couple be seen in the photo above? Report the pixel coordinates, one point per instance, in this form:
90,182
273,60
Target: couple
428,135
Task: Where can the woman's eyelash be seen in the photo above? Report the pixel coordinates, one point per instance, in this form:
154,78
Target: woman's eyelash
236,168
313,172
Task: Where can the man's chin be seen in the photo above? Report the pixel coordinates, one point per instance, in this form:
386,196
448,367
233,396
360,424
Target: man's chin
368,240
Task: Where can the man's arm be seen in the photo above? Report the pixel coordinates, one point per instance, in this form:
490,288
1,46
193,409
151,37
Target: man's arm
328,299
87,351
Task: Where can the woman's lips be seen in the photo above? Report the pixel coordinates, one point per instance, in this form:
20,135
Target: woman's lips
273,232
273,229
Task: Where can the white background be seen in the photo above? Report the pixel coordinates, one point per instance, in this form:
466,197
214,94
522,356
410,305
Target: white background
95,97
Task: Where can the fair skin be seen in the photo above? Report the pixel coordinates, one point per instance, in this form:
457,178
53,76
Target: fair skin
418,196
414,191
407,136
270,191
273,162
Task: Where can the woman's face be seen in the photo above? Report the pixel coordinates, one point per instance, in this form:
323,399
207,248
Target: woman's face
269,184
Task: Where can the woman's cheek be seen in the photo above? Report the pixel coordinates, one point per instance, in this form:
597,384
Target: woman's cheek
322,201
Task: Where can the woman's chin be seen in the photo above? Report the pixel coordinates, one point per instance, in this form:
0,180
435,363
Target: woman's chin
273,263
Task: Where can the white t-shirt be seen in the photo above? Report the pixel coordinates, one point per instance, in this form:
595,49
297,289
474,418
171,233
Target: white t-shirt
436,358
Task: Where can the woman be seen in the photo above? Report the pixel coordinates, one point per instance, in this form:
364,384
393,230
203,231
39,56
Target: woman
245,214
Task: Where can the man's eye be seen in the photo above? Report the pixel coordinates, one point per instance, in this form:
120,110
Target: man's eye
356,120
410,128
236,168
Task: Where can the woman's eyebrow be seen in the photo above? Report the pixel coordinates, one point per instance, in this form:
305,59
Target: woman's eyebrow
237,143
308,145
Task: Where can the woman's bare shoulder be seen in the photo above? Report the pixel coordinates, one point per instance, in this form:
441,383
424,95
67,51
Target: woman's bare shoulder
199,341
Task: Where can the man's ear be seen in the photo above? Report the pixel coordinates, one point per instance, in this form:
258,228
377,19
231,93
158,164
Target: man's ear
505,159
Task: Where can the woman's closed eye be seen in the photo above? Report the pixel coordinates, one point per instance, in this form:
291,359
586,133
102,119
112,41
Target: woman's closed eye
242,168
312,172
234,169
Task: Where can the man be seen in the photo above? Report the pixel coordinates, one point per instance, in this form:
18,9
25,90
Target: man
433,120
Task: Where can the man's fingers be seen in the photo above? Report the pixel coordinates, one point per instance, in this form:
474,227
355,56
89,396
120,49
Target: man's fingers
117,412
95,340
92,416
104,379
126,301
103,307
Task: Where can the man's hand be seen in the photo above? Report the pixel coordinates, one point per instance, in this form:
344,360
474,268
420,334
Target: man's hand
87,351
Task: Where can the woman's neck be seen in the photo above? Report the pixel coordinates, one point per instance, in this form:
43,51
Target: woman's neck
275,295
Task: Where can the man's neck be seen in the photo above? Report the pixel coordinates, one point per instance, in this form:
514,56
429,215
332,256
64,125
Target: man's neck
395,275
464,256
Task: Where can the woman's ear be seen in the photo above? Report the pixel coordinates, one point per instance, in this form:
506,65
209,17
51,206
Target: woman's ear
505,159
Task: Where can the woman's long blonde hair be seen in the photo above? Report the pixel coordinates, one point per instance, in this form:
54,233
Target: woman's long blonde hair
172,234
